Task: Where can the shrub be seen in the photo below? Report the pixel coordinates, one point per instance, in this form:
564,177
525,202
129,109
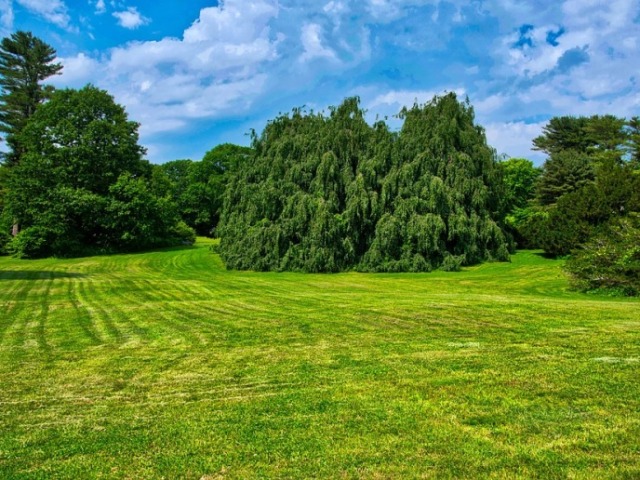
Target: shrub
32,242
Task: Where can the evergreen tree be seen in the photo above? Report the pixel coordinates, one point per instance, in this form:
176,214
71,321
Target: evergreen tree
564,171
25,61
564,133
579,215
633,141
610,260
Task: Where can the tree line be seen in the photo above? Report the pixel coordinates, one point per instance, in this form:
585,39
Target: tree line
74,181
586,201
315,192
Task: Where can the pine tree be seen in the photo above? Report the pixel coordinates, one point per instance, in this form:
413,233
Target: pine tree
565,171
25,61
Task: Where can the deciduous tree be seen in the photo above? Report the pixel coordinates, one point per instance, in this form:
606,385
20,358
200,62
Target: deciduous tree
81,171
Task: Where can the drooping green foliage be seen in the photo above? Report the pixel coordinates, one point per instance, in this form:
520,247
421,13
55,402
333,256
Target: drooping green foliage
25,61
82,185
330,193
198,187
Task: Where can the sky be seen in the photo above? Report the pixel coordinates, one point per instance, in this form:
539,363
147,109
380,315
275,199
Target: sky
197,73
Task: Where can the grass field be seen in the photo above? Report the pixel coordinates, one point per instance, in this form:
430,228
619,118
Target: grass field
164,365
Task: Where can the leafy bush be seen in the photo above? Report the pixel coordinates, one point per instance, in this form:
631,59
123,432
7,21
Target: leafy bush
32,242
527,226
182,233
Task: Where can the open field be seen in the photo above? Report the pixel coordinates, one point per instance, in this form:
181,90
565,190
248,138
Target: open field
164,365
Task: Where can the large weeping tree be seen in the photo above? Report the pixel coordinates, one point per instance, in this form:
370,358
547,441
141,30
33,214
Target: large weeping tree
25,62
331,193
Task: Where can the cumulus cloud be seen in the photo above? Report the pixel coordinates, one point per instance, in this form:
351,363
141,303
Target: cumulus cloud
521,63
383,8
514,138
590,31
77,71
336,10
215,68
130,18
54,11
311,38
577,57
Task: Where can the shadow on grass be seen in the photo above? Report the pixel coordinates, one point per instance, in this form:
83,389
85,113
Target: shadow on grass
103,253
36,275
549,256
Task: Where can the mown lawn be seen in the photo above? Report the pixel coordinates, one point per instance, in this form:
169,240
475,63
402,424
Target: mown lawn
164,365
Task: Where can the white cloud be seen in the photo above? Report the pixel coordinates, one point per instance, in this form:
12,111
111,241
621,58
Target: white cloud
385,10
579,57
6,17
244,56
100,7
407,98
234,21
77,71
216,68
536,57
130,18
54,11
335,8
311,38
514,138
490,104
594,26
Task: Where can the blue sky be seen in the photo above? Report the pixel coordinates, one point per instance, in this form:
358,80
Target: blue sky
197,73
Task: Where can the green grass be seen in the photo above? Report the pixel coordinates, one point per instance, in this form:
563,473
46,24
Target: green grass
164,365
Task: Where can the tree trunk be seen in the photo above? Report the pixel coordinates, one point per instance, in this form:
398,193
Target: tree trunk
15,230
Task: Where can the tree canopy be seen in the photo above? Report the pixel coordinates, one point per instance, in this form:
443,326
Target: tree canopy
589,193
330,193
82,184
198,188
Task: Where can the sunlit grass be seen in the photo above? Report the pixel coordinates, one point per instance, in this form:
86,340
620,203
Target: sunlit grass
164,365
